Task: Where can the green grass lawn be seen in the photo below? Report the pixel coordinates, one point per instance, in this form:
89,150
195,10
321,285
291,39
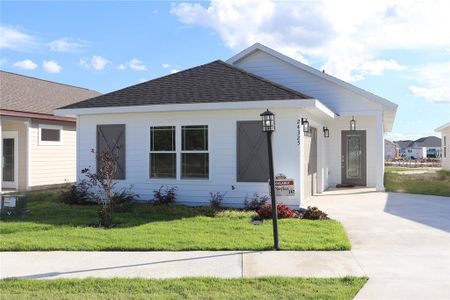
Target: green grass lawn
52,225
187,288
434,183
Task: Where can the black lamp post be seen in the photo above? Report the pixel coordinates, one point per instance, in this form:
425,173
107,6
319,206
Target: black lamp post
268,122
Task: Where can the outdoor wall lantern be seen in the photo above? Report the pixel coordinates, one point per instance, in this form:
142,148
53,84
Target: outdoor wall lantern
353,124
268,122
326,132
305,125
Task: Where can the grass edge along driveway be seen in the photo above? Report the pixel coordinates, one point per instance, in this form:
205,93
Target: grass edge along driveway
185,288
52,225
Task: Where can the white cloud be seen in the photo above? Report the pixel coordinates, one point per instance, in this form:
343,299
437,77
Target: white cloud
172,71
26,64
165,66
137,65
51,66
433,82
348,36
67,45
96,62
121,67
14,39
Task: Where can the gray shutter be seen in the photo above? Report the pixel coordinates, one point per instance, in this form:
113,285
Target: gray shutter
111,138
252,155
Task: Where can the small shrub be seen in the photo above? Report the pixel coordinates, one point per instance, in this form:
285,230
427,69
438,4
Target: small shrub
124,199
283,212
216,199
76,194
164,195
256,202
313,213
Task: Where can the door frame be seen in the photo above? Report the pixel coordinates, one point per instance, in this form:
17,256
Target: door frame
12,135
363,180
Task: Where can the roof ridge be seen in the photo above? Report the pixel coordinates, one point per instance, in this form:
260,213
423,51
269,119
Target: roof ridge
265,80
51,81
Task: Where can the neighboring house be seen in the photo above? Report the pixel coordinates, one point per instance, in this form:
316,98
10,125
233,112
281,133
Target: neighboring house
429,146
200,130
445,134
403,147
37,147
391,150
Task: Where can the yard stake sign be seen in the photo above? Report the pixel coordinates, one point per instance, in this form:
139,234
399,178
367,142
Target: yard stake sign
284,186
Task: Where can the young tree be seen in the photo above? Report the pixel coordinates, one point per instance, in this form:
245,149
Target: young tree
101,185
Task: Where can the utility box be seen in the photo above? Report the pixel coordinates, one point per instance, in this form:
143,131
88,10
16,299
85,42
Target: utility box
13,204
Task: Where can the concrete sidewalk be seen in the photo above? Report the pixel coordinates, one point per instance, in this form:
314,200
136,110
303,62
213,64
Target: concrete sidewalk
225,264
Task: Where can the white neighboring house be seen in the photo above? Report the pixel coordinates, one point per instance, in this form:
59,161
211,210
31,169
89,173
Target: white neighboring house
445,134
424,147
391,150
37,148
200,130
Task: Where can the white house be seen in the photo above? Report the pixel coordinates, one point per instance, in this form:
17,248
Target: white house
445,134
424,147
200,130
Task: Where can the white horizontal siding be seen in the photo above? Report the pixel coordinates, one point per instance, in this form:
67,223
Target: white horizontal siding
53,164
222,152
335,97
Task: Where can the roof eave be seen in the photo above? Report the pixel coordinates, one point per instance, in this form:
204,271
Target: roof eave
241,105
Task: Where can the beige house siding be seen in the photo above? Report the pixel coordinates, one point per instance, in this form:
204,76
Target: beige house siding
52,164
21,128
446,160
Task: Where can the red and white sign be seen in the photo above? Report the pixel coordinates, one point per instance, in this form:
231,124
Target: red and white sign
284,186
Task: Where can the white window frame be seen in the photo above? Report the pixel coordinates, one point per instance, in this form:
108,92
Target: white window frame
50,143
163,152
194,152
178,151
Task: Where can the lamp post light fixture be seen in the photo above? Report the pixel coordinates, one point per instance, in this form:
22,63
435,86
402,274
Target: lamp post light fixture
305,125
326,132
268,126
353,124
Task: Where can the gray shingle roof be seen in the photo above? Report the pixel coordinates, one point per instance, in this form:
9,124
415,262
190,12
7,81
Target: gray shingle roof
429,141
213,82
29,94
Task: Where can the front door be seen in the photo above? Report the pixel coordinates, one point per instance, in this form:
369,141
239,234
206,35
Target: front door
9,160
353,157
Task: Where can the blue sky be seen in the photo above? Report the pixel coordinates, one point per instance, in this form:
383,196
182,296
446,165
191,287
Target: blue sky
379,46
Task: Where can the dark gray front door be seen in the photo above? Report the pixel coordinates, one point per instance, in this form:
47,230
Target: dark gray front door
353,157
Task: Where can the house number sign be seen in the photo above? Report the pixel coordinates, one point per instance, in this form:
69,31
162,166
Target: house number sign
299,131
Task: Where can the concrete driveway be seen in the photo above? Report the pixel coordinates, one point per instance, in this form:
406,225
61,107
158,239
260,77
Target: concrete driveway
401,241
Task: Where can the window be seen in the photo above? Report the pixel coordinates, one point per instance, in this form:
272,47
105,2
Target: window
111,138
50,135
194,152
163,156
